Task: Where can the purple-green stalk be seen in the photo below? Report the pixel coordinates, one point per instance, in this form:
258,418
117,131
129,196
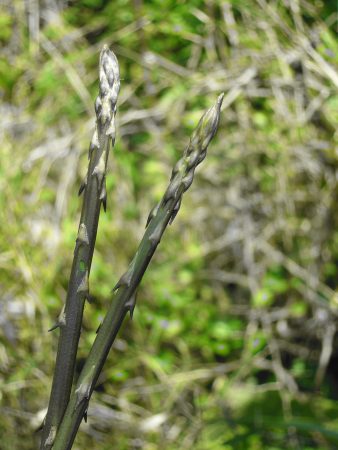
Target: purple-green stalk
125,290
94,188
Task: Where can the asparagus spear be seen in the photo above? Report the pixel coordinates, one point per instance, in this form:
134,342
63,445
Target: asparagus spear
94,188
125,290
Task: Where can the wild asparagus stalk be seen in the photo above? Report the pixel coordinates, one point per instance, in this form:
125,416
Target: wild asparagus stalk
94,188
124,291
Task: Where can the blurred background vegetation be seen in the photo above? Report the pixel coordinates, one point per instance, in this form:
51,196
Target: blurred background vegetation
233,343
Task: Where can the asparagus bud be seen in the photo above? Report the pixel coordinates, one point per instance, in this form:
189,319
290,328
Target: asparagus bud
183,173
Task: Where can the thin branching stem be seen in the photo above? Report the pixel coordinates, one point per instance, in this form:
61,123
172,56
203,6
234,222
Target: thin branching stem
125,290
94,188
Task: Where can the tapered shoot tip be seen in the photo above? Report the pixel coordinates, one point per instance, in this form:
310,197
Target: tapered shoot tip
109,63
109,86
208,124
106,52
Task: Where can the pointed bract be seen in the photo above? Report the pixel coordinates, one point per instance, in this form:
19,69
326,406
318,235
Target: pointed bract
51,436
54,327
124,280
82,187
82,235
40,427
84,285
175,211
82,393
173,188
130,304
61,320
94,144
111,130
156,234
103,195
152,214
100,169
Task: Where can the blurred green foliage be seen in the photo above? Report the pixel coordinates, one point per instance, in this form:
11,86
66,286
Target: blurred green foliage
233,341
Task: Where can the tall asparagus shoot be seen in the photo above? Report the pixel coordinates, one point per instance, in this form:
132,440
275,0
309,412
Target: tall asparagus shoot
94,188
125,290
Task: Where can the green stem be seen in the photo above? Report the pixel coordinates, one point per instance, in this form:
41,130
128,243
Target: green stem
125,290
94,188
